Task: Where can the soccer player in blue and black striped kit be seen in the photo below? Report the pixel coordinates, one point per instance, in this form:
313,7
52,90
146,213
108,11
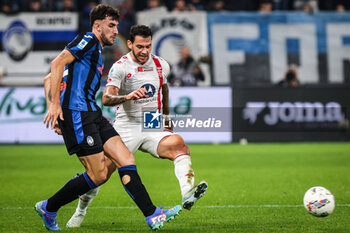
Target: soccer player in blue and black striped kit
72,110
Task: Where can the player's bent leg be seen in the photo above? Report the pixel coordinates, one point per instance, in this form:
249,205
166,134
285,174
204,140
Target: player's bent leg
96,167
119,153
84,200
173,147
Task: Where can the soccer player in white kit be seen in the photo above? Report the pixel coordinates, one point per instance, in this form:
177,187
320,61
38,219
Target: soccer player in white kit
142,74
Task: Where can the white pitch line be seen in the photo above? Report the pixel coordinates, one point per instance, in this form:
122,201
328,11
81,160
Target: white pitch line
201,207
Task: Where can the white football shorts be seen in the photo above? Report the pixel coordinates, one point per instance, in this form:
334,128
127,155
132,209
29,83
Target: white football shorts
136,139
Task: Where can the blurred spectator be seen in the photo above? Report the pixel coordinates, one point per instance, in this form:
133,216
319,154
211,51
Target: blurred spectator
302,5
187,71
156,6
10,6
195,5
345,3
180,6
127,17
307,8
340,8
34,6
66,6
265,6
216,5
219,6
153,4
337,5
290,78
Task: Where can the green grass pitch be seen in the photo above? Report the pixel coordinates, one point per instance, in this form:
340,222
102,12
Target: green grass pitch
252,188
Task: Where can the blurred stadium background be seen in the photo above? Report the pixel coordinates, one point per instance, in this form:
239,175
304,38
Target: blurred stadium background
270,70
282,67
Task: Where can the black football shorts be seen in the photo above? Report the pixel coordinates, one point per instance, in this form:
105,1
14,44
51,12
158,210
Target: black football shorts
85,133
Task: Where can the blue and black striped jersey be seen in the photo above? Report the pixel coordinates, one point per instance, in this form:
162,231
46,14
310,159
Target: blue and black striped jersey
81,78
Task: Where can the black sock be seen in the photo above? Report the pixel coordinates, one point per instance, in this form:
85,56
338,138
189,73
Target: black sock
137,190
70,191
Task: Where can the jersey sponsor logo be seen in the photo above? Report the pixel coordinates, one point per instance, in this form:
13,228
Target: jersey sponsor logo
63,86
82,44
17,40
100,69
151,120
151,90
142,69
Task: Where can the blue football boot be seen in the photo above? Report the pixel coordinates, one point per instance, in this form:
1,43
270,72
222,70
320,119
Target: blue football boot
49,218
160,216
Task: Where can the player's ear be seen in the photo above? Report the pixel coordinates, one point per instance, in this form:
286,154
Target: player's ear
97,25
129,43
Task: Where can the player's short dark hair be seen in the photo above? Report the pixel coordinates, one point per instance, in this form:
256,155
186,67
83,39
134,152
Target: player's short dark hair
103,11
139,30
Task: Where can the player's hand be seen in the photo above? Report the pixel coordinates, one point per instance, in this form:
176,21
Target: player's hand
138,94
58,129
52,115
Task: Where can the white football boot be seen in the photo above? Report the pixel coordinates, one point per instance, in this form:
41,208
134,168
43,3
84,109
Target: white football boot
76,219
194,194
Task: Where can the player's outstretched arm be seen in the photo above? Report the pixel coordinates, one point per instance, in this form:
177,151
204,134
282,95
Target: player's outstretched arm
111,97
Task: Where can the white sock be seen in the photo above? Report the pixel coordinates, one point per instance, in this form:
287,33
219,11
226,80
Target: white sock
184,172
86,199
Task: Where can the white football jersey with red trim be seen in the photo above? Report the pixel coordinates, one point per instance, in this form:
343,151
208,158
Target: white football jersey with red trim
129,76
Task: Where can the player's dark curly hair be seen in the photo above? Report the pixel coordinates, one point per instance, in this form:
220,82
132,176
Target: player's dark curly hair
139,30
103,11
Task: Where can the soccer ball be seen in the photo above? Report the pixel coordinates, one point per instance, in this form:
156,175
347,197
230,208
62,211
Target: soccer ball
319,201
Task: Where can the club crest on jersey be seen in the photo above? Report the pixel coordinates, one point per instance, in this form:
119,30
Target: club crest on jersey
128,75
151,90
90,140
